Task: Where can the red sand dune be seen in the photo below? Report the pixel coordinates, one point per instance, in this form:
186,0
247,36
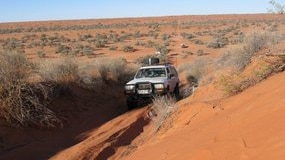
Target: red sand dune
249,125
246,126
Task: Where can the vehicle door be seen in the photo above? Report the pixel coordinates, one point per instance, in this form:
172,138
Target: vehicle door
172,78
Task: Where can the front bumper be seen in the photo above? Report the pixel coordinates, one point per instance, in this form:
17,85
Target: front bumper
146,93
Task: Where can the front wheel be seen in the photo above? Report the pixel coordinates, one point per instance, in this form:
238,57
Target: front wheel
131,103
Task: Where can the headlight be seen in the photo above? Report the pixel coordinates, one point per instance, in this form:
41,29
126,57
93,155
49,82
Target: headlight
159,86
129,87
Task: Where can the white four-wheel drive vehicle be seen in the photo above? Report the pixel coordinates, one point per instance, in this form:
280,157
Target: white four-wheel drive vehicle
150,81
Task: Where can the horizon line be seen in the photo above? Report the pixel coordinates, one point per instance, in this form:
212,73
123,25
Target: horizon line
131,17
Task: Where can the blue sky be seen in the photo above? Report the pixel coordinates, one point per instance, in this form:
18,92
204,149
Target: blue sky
34,10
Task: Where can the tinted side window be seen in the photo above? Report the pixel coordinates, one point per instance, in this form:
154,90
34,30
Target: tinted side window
168,71
173,71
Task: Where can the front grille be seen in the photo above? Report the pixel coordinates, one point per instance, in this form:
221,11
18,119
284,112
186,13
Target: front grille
144,86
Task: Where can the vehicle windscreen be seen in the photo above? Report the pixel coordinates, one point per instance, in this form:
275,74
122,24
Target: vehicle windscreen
151,72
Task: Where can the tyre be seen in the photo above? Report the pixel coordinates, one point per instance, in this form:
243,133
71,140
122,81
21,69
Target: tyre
176,92
131,103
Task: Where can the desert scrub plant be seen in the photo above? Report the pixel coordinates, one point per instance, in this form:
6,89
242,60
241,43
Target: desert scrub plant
255,42
128,48
11,44
23,103
195,70
239,57
197,41
161,109
165,36
162,49
15,68
61,71
87,50
200,52
235,58
218,42
41,53
63,49
116,70
88,78
234,82
113,48
187,36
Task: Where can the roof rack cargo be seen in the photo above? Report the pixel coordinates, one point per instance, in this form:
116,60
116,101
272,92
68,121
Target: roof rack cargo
153,61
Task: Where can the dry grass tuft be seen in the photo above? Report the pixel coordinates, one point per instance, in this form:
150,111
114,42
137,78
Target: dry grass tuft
162,108
63,71
116,70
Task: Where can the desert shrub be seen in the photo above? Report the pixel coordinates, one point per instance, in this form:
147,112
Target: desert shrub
150,44
162,49
195,70
165,36
89,78
162,109
255,41
218,42
100,40
63,49
137,34
41,54
128,48
166,43
84,37
22,103
100,43
234,83
62,71
11,44
238,58
187,36
116,70
200,52
26,105
197,41
113,48
235,58
87,50
115,38
237,39
15,68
